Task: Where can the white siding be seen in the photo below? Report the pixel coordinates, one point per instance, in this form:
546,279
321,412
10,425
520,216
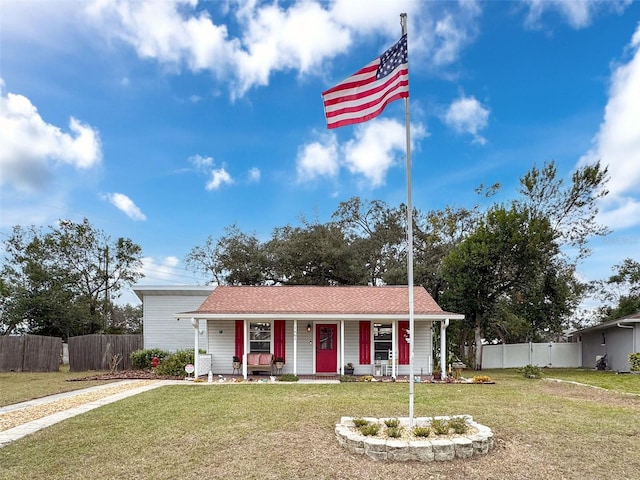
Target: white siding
222,345
162,330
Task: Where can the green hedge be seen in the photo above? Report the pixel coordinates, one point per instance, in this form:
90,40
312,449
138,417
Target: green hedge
141,359
634,360
174,364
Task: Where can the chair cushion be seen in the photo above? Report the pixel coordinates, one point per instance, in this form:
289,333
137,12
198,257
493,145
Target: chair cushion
265,359
253,359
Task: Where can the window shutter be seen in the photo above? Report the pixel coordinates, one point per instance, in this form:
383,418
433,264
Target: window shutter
239,338
403,345
365,343
279,339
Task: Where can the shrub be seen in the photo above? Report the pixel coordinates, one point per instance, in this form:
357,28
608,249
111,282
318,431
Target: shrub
531,371
481,379
394,432
458,425
439,426
370,430
174,364
392,422
360,422
348,378
288,377
366,378
421,431
634,360
141,359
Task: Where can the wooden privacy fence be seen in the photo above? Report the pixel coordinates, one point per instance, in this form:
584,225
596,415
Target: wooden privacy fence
96,352
30,353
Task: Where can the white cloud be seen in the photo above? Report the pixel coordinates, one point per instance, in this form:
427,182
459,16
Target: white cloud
125,204
32,148
467,115
318,159
254,175
578,13
617,143
375,149
275,37
163,270
218,177
201,163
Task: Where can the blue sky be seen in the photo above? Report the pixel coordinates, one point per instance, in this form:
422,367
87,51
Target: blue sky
167,121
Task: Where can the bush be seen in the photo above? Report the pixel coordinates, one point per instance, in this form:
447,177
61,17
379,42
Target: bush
360,422
370,430
439,426
531,371
348,378
421,431
174,364
394,432
634,360
288,377
481,379
392,422
141,359
459,425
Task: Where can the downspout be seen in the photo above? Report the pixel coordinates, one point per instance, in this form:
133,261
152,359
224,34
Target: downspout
443,347
196,345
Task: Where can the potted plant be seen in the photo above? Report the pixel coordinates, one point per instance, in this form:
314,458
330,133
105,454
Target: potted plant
237,363
279,362
437,372
348,369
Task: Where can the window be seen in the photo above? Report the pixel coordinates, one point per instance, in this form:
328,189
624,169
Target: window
381,341
260,337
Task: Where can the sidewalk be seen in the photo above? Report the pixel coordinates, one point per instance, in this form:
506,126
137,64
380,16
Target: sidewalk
78,401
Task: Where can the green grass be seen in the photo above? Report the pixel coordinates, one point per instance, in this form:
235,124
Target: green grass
626,382
285,431
22,386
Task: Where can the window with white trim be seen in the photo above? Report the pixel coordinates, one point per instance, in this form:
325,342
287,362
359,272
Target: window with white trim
381,341
260,337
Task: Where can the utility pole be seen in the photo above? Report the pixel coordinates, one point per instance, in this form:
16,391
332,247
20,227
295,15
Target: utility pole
106,288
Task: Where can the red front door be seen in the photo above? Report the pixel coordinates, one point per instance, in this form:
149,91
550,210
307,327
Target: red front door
326,348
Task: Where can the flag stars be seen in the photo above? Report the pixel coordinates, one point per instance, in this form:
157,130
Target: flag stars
392,58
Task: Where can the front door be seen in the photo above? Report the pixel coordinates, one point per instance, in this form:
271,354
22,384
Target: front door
326,348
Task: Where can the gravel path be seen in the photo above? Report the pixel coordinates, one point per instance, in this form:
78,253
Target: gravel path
20,414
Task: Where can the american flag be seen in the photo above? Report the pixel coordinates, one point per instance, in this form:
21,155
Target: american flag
363,95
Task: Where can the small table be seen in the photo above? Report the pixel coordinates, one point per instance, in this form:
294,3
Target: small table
237,367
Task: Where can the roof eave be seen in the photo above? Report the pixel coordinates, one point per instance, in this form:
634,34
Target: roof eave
316,316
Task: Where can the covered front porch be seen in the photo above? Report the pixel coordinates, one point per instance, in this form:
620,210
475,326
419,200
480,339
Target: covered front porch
318,347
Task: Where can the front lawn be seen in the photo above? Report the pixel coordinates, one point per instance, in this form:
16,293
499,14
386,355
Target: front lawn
22,386
286,431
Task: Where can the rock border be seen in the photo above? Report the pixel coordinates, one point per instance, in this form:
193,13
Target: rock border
439,449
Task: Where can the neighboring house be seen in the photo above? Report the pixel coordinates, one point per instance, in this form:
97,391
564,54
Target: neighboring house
316,330
159,304
616,339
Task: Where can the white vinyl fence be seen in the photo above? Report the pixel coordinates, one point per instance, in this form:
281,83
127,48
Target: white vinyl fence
558,355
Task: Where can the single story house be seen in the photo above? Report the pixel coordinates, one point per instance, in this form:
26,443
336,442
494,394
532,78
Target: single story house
616,339
315,329
159,304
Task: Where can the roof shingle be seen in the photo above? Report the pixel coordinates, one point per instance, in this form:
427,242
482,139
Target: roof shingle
359,300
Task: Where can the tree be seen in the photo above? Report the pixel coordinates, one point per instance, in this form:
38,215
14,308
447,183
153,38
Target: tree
236,258
125,319
509,261
621,291
571,210
61,282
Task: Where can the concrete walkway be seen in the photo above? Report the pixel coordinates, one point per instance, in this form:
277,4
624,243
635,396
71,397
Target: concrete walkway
15,433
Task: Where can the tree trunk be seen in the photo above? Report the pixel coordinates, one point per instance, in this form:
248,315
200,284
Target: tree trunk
478,340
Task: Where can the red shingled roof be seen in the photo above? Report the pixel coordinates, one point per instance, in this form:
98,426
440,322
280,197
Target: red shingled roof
309,300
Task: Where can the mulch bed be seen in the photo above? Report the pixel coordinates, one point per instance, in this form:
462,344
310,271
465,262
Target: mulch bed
127,375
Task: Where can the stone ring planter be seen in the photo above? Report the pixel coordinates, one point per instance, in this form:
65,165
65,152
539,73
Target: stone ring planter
478,442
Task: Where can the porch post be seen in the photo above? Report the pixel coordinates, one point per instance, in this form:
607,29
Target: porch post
394,347
341,347
443,346
295,347
196,345
245,341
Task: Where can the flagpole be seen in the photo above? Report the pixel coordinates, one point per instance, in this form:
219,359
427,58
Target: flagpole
403,23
